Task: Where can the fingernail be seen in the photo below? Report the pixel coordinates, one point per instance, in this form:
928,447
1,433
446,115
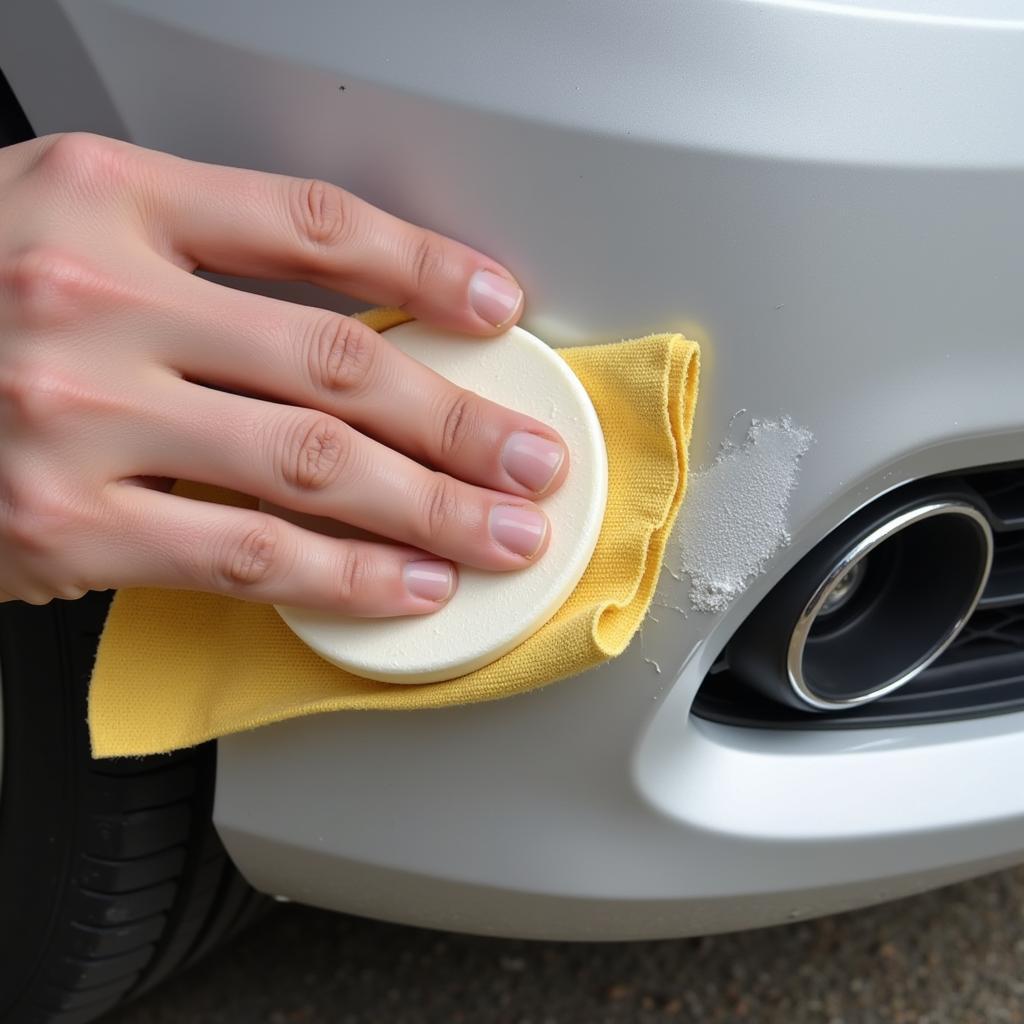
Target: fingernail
494,298
432,581
520,530
532,460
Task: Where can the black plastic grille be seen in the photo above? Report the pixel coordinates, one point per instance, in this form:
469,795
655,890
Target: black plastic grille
991,632
1003,490
981,673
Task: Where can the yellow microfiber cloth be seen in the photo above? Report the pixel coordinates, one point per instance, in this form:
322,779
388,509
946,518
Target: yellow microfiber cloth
175,668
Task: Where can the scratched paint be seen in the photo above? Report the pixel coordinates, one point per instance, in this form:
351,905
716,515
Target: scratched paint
735,516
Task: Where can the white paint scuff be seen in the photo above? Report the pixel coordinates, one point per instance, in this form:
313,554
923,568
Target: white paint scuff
735,516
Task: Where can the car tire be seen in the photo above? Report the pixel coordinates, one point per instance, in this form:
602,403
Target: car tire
111,873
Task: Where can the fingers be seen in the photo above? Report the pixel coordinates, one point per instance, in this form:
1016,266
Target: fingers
265,225
322,360
315,463
170,541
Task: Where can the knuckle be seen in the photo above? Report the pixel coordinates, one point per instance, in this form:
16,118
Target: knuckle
428,262
36,394
48,286
460,422
75,150
341,354
69,590
251,558
439,510
316,451
37,520
86,160
46,529
350,575
322,213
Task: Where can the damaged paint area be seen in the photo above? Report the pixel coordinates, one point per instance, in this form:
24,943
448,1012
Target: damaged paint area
735,516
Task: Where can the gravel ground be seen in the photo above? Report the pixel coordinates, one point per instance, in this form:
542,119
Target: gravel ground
950,957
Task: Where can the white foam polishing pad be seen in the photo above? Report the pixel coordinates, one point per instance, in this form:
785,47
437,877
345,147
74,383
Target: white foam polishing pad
490,612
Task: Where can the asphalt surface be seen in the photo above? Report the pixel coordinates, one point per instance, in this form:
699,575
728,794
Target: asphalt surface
950,957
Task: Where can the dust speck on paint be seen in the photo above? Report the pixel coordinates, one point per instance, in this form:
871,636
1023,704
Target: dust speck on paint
735,514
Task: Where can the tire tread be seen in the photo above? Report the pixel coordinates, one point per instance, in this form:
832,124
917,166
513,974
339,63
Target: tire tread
149,888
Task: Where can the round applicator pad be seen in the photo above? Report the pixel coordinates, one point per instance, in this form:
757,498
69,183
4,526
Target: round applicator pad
490,612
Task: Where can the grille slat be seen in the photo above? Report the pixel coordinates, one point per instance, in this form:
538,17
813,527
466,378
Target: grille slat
981,673
1001,491
1006,584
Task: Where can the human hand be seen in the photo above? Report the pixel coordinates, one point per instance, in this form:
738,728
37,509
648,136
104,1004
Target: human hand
120,371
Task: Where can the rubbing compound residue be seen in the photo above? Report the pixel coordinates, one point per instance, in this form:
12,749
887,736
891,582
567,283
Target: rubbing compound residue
735,514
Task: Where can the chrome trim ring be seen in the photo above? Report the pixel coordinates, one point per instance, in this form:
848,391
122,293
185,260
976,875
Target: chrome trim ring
798,639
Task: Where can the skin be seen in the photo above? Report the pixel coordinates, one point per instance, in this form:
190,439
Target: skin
121,371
